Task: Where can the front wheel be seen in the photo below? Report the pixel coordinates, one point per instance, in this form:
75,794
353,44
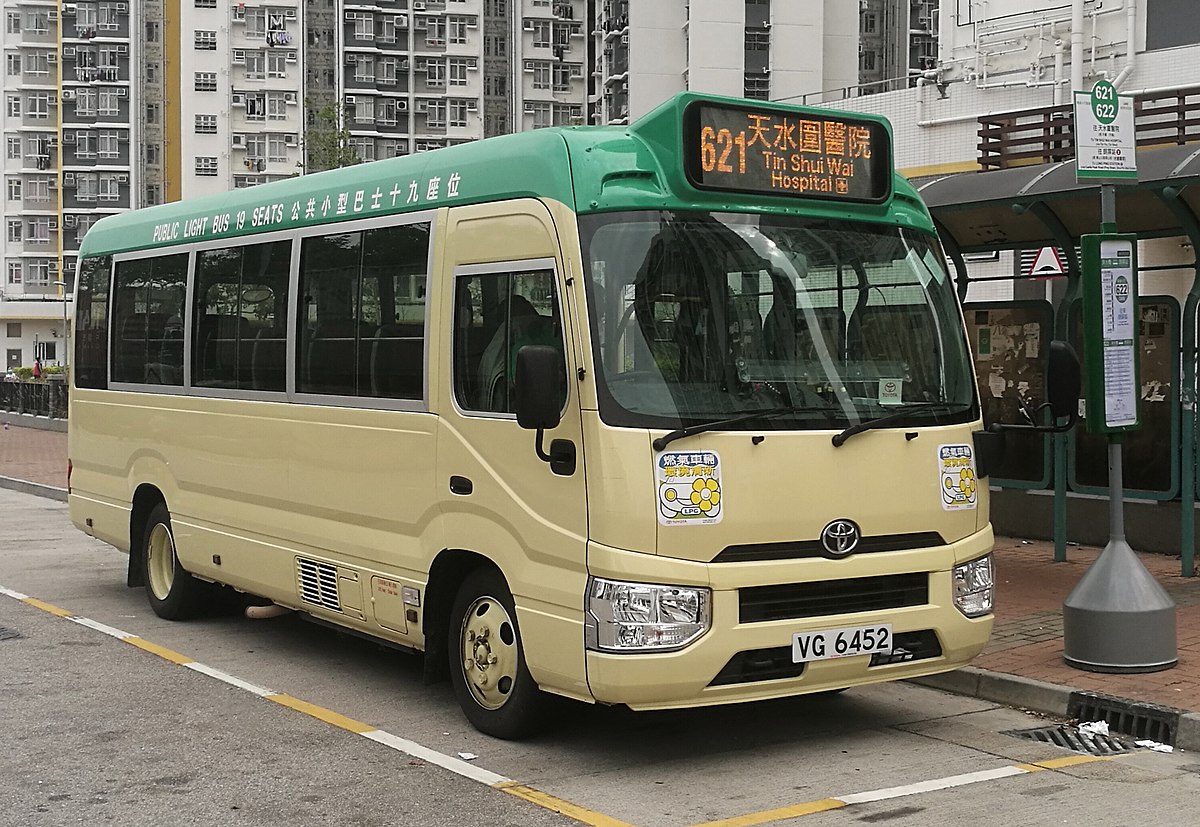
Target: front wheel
487,660
173,593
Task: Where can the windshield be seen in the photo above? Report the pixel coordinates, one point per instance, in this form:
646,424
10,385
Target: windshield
700,316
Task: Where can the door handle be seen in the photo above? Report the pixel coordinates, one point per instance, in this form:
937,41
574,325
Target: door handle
460,485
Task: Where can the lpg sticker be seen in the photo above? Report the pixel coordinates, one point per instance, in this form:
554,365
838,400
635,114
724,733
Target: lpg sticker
956,465
689,488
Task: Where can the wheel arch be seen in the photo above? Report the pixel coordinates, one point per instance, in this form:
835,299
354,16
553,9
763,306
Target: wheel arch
446,574
144,499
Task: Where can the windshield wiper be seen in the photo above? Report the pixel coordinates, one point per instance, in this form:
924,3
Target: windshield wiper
766,413
868,424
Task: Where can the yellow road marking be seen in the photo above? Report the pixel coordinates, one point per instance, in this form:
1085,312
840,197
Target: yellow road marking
557,805
162,651
779,814
46,607
322,714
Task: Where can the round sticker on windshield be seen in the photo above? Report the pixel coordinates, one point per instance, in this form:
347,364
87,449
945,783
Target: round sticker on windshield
689,488
956,464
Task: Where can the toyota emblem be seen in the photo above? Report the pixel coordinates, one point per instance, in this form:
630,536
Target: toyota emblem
840,537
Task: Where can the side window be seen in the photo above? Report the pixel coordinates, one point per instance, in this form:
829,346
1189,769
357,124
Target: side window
495,315
241,302
148,320
362,313
91,323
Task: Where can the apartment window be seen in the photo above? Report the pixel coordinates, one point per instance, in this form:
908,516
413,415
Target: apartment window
256,107
277,64
757,40
108,101
562,77
866,61
541,73
387,114
206,124
870,23
38,274
12,22
14,106
153,31
39,231
364,110
256,24
14,272
110,144
110,17
37,21
12,64
435,32
37,189
109,57
387,30
206,4
276,106
153,194
495,45
153,73
86,17
153,113
85,144
37,63
205,82
495,85
363,148
277,148
541,34
390,148
496,8
206,165
108,187
13,330
541,113
205,40
457,70
436,113
15,233
435,73
256,146
364,26
85,102
457,113
153,154
364,69
86,186
14,189
565,115
457,29
14,149
757,86
386,75
256,65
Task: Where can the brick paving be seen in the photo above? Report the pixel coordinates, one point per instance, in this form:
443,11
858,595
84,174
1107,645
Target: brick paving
1030,590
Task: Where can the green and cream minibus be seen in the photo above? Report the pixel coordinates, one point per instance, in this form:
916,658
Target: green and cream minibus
665,415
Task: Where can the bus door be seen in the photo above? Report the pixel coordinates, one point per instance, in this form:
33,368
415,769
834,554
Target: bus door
500,500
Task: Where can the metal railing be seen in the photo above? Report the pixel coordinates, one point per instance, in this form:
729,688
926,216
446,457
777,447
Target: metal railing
1047,134
44,398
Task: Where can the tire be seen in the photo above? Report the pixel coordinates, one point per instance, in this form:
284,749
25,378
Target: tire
487,660
173,593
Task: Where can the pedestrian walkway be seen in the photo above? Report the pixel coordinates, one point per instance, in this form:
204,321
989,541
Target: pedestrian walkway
1022,665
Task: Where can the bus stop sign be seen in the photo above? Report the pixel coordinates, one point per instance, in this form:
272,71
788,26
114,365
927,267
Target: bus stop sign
1110,332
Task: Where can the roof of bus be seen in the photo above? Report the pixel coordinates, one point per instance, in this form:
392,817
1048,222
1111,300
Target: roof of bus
590,169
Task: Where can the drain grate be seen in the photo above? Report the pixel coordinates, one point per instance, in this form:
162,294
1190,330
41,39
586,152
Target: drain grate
1141,721
1068,737
8,634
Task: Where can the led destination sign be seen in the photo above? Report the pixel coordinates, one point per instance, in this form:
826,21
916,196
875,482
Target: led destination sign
772,152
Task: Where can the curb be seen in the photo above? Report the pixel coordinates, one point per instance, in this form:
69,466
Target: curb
1061,701
40,423
35,488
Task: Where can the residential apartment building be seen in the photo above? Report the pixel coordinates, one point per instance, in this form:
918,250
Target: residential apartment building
110,106
898,41
644,52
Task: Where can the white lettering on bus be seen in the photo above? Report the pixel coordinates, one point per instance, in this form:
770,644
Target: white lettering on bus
166,232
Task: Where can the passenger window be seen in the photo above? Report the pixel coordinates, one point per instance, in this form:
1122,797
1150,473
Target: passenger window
362,313
241,302
148,320
91,323
495,316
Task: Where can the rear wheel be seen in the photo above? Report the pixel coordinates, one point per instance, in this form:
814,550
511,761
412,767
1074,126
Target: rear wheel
173,593
487,660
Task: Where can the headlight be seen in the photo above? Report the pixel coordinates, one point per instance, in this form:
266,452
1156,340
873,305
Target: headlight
973,587
641,617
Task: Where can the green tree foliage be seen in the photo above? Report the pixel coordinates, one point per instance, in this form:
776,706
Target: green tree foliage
327,141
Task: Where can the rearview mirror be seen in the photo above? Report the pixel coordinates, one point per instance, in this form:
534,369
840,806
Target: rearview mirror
539,387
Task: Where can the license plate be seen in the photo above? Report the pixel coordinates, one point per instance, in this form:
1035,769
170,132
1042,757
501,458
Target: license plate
841,643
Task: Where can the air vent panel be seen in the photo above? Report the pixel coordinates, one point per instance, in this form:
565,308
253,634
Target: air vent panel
318,584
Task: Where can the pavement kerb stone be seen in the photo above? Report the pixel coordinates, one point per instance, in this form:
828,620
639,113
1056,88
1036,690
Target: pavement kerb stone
1039,696
35,488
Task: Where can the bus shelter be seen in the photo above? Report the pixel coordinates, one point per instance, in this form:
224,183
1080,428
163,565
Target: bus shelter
1057,485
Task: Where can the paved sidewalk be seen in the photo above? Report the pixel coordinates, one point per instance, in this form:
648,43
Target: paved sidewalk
1022,665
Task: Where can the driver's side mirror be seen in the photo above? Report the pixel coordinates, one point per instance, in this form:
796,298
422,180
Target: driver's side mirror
539,387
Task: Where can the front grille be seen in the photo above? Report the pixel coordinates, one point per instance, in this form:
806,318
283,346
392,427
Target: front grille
801,549
759,665
759,604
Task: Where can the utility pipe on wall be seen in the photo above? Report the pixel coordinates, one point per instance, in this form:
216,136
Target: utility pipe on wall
1077,45
1130,37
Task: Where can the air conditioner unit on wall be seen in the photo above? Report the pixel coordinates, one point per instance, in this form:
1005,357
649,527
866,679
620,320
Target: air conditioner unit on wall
239,141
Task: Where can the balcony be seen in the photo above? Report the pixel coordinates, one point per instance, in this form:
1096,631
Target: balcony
1047,135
